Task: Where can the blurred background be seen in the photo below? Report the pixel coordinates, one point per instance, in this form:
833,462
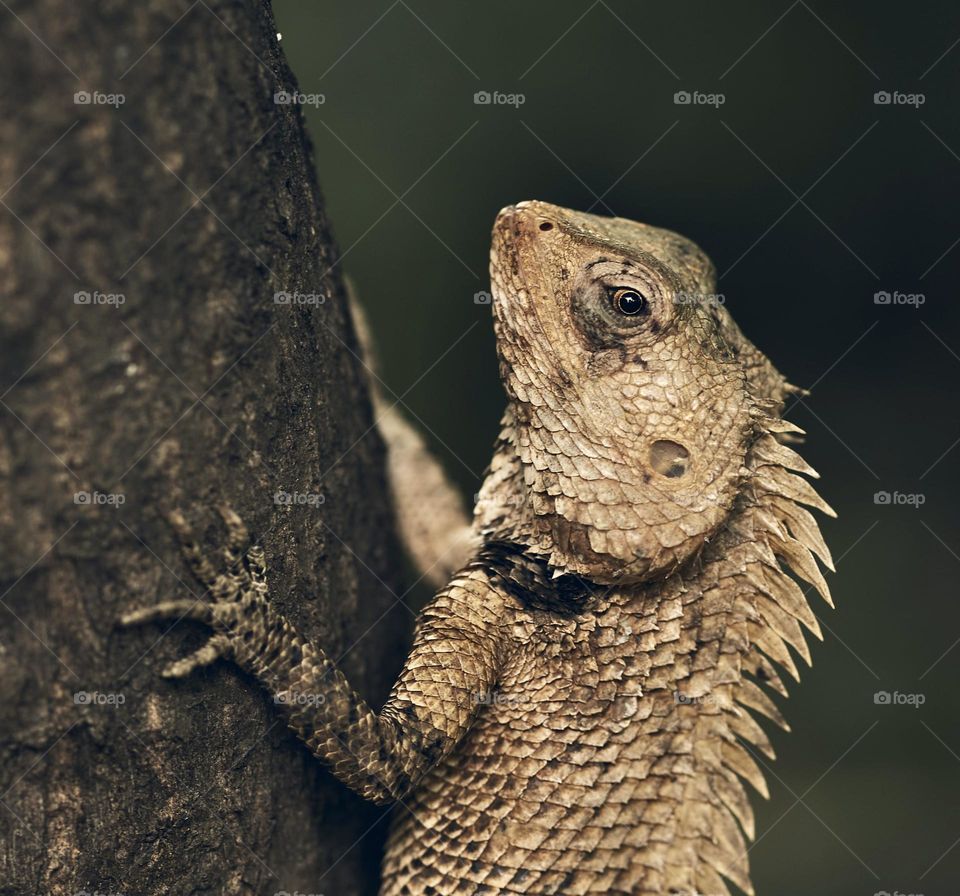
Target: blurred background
831,217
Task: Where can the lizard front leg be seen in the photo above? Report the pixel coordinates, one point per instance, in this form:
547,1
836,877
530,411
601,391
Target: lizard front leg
455,659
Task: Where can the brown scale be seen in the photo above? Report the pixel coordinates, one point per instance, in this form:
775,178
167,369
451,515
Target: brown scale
578,713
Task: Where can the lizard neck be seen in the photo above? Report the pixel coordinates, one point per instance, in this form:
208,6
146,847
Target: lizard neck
519,504
716,634
709,639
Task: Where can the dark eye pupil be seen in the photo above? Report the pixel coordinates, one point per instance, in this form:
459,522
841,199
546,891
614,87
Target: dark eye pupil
628,301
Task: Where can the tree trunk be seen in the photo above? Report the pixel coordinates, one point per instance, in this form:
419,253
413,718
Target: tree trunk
146,363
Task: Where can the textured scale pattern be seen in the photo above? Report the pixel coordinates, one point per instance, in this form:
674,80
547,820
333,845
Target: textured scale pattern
579,710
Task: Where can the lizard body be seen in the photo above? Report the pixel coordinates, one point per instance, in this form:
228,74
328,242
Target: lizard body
575,715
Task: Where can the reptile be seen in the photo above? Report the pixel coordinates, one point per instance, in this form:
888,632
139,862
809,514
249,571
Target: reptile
578,712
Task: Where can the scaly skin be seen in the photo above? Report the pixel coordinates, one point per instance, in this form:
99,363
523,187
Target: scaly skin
574,715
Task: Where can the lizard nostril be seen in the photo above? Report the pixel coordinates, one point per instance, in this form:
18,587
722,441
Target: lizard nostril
546,225
669,458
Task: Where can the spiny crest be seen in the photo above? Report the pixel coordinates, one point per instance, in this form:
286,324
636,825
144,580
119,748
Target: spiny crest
780,545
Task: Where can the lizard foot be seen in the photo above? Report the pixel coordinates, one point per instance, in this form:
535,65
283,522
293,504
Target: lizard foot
232,592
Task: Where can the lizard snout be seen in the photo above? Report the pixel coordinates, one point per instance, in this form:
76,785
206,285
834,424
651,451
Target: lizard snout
527,218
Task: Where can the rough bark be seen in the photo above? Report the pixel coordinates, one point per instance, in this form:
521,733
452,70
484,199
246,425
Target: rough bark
198,387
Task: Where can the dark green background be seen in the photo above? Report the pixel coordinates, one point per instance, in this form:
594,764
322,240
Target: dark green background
864,797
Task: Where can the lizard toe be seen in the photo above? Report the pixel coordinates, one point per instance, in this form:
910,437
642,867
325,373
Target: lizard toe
218,647
169,609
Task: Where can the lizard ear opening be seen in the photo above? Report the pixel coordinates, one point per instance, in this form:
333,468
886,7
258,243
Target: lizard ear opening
669,458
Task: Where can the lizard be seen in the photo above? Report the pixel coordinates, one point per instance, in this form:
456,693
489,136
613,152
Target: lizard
577,713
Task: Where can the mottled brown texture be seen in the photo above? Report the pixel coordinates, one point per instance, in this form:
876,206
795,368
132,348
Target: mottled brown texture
575,715
185,787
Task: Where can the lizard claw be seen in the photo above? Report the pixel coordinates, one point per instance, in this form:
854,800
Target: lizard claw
238,540
245,571
169,609
257,564
218,647
195,557
236,530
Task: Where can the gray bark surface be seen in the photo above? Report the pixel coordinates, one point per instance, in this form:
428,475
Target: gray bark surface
196,201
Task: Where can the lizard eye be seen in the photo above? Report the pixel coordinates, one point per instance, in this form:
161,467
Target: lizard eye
628,301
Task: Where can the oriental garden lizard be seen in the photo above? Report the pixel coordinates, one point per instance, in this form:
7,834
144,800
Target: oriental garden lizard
578,711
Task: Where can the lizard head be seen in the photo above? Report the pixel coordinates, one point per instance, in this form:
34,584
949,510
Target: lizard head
634,397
